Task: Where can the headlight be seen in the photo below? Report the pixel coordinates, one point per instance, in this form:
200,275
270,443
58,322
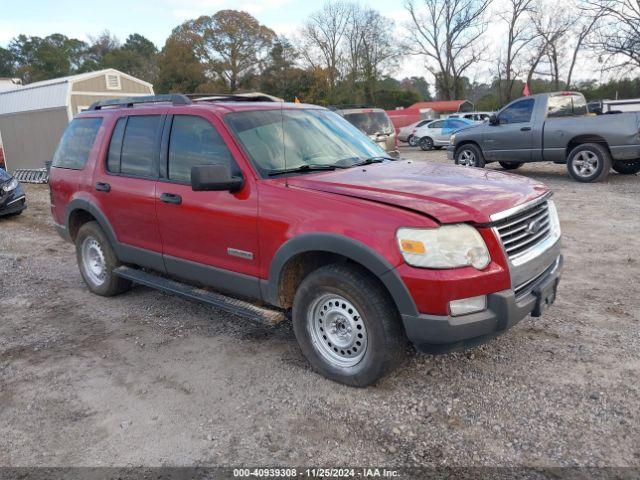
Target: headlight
10,185
449,246
554,220
452,140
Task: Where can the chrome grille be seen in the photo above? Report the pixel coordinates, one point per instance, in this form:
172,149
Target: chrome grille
523,230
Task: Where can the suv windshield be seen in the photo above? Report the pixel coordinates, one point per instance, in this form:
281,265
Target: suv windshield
370,122
301,137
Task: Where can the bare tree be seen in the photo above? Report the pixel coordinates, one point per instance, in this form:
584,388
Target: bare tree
447,33
520,34
322,39
617,38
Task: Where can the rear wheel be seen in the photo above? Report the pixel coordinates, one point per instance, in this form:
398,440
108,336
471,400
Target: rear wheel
469,155
627,167
510,165
97,260
413,141
426,143
589,162
347,326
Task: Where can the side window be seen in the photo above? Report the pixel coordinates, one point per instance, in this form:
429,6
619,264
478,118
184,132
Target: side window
194,141
422,124
76,143
115,146
519,112
140,145
437,124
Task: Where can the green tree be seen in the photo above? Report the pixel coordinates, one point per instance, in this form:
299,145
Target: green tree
179,69
7,63
138,57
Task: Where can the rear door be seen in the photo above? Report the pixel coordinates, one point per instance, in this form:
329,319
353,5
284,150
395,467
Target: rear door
512,138
125,185
210,237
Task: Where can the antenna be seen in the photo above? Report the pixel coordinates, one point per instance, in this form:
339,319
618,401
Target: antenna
284,145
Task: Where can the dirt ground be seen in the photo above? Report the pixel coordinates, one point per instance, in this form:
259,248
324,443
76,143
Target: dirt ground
149,379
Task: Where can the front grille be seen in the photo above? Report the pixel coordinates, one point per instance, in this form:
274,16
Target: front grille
524,230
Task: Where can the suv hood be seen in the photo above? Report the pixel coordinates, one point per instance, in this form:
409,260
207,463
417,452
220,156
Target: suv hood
447,193
4,176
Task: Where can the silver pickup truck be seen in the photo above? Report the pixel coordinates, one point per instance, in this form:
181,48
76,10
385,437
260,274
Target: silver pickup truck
553,127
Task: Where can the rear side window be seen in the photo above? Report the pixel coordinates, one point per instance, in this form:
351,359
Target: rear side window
194,141
437,124
566,106
76,143
519,112
133,149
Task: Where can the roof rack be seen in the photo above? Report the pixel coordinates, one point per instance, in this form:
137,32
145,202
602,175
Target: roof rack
174,98
233,97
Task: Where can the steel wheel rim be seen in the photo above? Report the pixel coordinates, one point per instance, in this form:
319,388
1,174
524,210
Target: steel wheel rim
338,331
93,261
467,158
428,143
585,163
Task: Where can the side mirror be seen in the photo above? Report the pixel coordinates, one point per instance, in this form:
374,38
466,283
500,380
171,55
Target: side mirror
206,178
493,119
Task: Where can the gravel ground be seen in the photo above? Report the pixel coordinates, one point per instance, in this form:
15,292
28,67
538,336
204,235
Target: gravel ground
150,379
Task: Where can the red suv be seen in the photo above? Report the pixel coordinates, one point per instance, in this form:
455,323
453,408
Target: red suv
289,208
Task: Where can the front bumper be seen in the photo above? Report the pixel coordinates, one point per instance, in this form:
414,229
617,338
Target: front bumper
450,150
14,202
435,333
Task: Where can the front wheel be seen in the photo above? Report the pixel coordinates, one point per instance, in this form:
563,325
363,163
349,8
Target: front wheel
510,165
97,260
627,167
426,143
469,155
347,326
589,162
413,141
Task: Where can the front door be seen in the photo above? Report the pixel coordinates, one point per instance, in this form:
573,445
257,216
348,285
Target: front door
209,237
512,138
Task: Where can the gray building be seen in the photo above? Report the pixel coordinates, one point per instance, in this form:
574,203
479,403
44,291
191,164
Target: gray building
33,117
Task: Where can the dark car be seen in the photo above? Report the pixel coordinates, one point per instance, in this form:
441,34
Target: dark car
12,197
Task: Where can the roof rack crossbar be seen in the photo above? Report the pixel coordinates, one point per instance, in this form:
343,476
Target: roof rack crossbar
174,98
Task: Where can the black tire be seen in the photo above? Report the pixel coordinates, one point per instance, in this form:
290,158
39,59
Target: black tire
378,319
426,144
589,162
627,167
97,243
413,141
469,155
510,165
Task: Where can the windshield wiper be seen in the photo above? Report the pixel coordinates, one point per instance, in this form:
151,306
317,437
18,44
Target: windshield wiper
370,160
302,168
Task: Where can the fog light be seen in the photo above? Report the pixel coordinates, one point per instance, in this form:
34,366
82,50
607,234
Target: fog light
468,305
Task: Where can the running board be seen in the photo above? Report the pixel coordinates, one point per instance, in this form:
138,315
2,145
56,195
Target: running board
264,316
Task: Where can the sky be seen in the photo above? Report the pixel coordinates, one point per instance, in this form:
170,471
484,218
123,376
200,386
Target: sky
156,18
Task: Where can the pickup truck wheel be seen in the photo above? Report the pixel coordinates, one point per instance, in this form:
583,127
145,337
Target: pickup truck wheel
347,326
589,162
627,167
510,165
97,260
469,155
426,143
413,141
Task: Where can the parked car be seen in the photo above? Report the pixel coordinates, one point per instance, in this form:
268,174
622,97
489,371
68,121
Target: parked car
437,133
473,116
553,127
291,206
375,123
12,198
405,134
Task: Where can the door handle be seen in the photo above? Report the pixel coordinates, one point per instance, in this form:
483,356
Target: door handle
171,198
525,129
103,187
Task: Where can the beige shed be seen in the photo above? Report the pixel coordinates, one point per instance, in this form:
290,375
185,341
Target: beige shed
33,116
